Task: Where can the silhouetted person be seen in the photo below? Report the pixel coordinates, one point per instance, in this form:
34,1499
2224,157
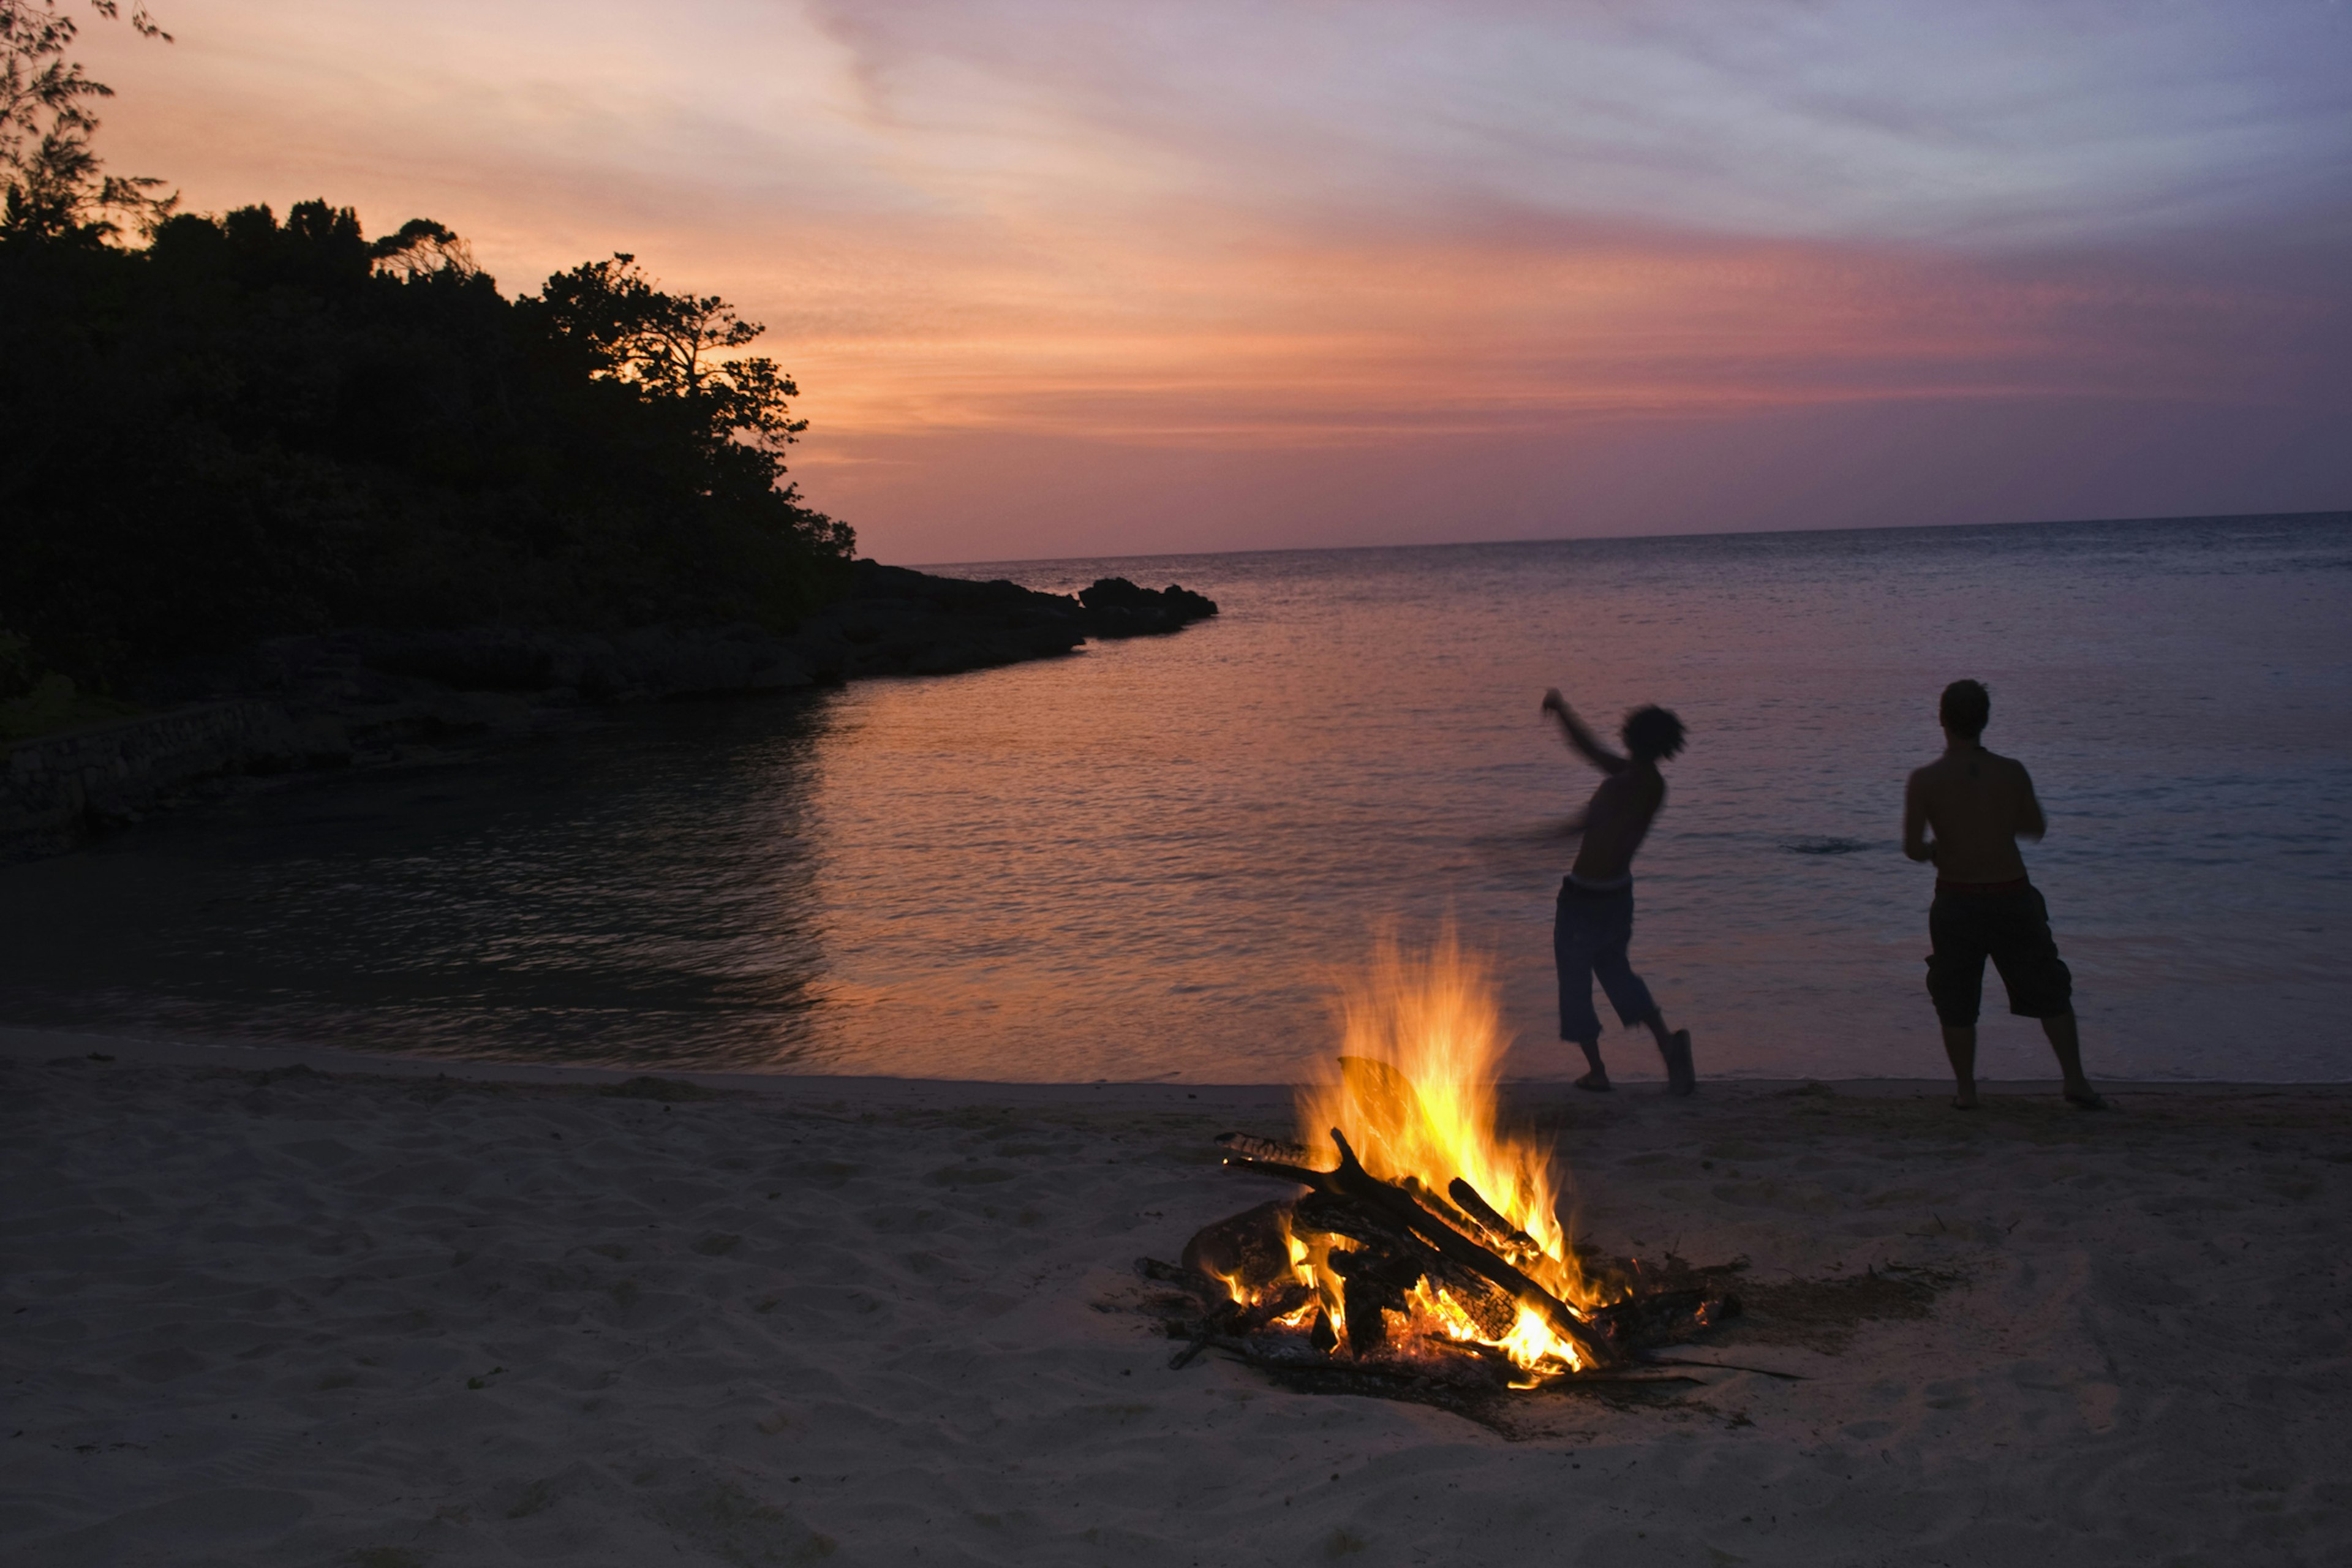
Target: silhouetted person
1978,806
1594,921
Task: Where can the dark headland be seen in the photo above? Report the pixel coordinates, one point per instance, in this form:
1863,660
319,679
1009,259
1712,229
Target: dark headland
283,496
368,696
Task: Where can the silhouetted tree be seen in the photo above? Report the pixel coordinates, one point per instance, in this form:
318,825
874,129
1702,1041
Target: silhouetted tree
248,427
251,426
672,349
55,183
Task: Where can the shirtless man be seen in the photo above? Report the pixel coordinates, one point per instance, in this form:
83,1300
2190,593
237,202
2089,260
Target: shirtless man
1978,805
1594,919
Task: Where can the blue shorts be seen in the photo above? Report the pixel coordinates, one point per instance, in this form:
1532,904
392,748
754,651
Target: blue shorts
1589,933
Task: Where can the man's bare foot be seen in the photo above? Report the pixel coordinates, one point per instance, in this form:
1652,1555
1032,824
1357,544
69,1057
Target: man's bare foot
1681,1078
2085,1097
1596,1081
1964,1097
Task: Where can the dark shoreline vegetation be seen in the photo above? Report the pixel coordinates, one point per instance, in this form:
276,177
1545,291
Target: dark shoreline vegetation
317,498
277,495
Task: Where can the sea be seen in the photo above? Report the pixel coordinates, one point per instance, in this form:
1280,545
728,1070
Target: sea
1163,858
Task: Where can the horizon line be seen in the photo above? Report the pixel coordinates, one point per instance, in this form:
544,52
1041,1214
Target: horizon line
2344,513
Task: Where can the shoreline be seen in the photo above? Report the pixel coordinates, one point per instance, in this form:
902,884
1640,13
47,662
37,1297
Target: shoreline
35,1044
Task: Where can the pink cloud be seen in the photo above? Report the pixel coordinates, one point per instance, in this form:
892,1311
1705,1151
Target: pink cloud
1176,273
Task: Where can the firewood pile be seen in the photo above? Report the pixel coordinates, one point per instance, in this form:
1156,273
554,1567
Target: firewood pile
1363,1282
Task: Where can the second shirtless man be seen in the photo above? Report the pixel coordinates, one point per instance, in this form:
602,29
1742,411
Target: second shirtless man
1594,921
1978,805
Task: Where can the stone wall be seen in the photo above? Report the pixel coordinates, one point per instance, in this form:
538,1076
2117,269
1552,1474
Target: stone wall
56,790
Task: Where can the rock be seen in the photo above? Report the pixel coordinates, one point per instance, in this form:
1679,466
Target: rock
1160,609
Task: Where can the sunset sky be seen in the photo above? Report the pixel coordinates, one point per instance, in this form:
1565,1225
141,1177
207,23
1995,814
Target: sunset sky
1064,277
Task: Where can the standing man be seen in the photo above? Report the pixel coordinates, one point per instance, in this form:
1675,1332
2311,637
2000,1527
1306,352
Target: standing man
1978,805
1594,921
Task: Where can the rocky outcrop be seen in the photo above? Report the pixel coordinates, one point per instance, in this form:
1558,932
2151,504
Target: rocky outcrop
896,621
56,789
364,696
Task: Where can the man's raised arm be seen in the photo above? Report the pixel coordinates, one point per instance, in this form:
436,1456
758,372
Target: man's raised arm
1580,739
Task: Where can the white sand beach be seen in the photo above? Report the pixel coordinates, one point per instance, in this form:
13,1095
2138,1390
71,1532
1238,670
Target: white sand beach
379,1317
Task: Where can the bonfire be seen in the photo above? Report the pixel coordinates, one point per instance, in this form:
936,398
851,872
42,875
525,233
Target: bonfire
1428,1243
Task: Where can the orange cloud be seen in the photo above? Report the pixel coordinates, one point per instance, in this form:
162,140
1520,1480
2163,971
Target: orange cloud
1083,233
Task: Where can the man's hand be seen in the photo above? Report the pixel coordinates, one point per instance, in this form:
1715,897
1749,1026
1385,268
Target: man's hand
1580,739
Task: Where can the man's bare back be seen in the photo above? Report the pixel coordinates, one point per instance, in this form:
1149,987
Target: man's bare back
1978,805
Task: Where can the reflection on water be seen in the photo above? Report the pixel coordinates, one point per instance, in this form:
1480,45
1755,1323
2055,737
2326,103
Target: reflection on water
641,892
1151,860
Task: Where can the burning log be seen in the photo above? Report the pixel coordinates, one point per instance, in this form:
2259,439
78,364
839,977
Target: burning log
1245,1253
1488,1219
1325,1215
1402,1208
1264,1148
1437,1256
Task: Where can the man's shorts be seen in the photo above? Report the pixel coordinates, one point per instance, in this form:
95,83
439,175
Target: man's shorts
2012,929
1589,932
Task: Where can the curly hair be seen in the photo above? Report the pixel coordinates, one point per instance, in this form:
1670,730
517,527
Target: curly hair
1653,733
1966,708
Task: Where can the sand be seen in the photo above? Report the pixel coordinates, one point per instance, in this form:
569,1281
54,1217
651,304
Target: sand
353,1317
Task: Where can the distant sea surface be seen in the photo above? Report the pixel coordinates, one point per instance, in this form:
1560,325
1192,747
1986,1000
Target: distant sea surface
1153,860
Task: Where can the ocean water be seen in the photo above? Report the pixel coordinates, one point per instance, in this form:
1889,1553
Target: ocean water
1156,859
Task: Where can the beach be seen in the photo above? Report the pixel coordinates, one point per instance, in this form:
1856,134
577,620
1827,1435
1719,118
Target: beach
555,1007
276,1307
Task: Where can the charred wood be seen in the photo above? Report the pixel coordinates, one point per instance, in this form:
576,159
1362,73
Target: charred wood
1456,1247
1363,1299
1252,1148
1660,1317
1248,1252
1401,1209
1489,1218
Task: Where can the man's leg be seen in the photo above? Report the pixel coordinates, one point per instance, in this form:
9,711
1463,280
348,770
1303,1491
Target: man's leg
1960,1044
1633,1002
1572,939
2063,1040
1674,1051
1956,985
1596,1080
2041,987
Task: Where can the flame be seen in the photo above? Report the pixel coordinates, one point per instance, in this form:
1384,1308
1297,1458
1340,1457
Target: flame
1413,1090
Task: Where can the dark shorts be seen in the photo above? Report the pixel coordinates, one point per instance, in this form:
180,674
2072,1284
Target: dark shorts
2012,929
1589,933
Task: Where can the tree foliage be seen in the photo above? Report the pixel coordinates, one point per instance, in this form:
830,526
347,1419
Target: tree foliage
250,426
55,183
244,427
672,350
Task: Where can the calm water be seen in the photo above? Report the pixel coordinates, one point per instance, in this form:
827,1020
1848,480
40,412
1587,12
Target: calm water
1150,859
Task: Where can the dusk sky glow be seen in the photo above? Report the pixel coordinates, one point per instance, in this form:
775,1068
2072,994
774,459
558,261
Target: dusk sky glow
1061,277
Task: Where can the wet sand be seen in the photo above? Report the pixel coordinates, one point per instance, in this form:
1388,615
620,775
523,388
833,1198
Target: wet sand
363,1313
